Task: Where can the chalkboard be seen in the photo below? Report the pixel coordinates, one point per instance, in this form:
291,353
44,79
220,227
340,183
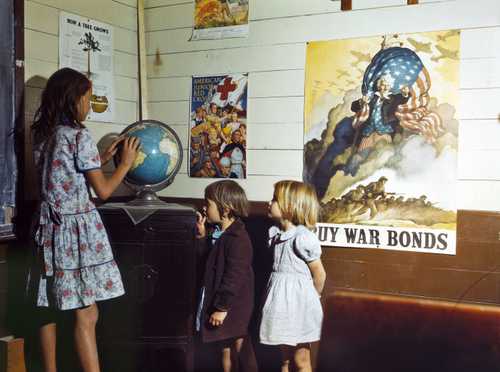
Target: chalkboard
8,165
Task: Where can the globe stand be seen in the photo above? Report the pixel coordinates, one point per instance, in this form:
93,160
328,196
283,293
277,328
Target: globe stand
146,197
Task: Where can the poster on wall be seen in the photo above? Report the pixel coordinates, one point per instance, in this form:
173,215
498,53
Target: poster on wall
87,46
381,139
218,126
220,19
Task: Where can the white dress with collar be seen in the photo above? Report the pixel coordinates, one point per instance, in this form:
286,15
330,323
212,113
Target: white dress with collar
292,312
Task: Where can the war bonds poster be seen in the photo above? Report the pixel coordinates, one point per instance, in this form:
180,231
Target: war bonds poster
218,126
87,46
381,138
220,19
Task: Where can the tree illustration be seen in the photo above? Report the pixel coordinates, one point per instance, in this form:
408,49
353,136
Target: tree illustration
89,45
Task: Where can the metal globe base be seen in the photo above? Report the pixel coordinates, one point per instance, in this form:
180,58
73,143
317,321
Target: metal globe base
145,198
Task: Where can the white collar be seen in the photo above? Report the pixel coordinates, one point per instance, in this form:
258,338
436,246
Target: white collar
383,96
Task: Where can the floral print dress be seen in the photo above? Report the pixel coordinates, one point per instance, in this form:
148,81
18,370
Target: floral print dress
78,267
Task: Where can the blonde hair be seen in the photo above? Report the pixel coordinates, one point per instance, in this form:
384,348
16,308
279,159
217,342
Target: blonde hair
298,202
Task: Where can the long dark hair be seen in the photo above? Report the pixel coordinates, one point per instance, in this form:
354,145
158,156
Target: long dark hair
59,104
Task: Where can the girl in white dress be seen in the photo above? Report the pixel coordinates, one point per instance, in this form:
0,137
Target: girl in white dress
292,313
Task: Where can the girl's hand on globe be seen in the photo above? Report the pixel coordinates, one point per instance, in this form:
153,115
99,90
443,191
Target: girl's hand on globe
129,151
200,225
111,150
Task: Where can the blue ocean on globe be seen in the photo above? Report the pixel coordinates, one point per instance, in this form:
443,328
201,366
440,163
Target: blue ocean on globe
157,157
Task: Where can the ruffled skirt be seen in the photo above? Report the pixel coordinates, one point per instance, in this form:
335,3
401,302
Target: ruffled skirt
77,267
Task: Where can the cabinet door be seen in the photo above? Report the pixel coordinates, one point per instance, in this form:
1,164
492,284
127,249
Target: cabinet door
120,228
121,318
169,309
159,279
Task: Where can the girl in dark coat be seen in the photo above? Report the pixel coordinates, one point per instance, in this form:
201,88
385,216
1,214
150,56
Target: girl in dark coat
227,294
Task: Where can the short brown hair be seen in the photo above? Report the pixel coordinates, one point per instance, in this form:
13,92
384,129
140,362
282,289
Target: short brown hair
228,195
298,202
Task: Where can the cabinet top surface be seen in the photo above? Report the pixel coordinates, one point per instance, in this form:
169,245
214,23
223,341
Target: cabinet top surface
167,208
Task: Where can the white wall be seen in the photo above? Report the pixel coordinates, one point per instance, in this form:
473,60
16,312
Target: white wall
274,55
42,55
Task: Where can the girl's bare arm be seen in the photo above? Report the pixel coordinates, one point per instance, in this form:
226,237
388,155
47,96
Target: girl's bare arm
318,274
104,186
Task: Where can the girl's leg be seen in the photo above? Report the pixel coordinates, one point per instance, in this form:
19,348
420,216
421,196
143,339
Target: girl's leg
48,346
230,354
236,347
287,352
226,358
246,355
85,340
238,355
302,358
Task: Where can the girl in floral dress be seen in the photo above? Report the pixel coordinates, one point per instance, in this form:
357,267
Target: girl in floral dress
76,263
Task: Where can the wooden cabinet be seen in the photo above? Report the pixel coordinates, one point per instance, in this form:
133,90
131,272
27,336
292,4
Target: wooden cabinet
150,328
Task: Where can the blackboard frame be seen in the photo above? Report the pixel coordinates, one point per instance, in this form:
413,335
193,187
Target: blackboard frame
15,26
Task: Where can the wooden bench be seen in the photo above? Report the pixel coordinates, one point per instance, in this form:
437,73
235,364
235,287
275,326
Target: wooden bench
365,332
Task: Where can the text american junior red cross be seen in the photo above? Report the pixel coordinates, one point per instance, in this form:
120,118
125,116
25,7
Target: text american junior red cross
226,88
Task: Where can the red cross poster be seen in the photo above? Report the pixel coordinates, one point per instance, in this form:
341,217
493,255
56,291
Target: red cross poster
381,140
218,126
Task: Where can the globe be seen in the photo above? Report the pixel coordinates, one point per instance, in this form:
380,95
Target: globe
158,160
